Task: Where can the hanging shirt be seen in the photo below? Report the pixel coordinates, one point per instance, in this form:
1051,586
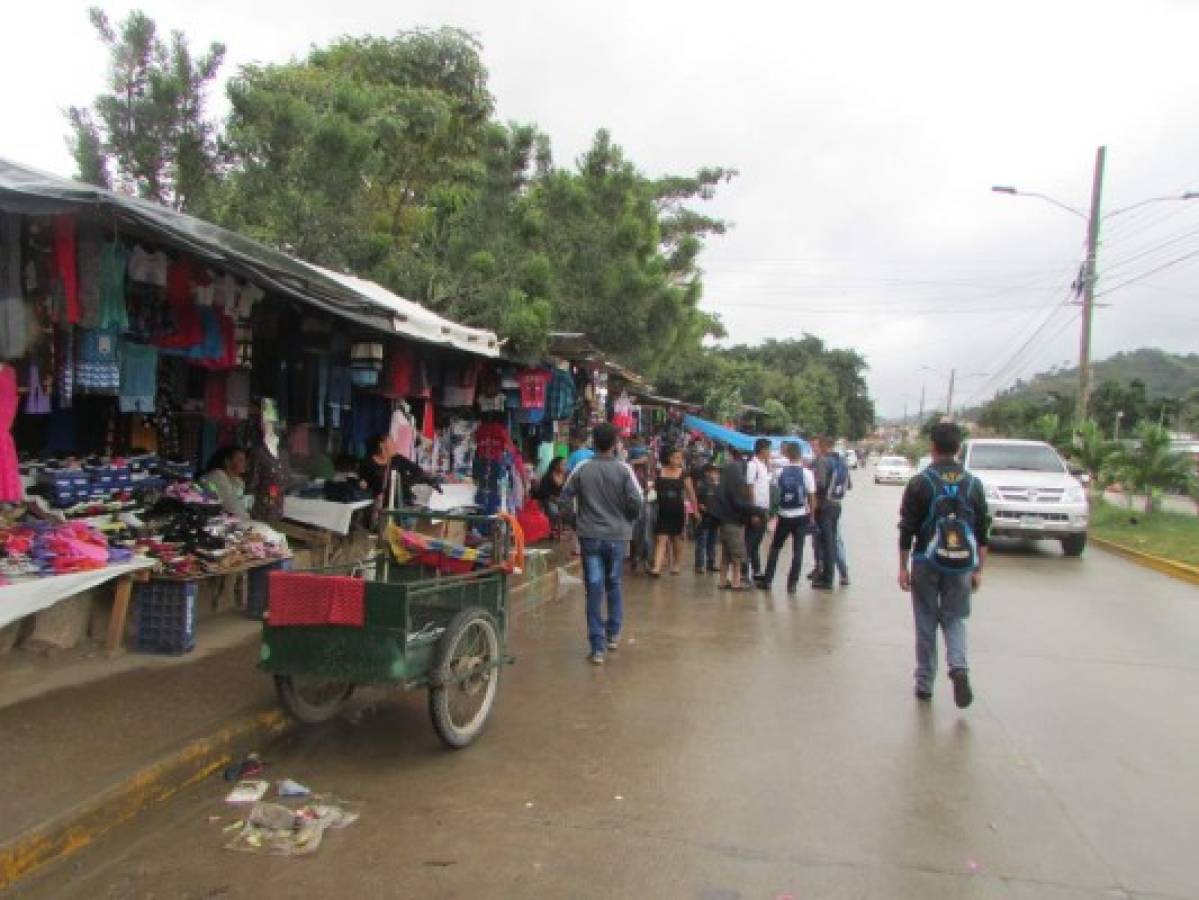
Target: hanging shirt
532,388
114,260
148,267
403,433
139,377
560,396
65,284
492,442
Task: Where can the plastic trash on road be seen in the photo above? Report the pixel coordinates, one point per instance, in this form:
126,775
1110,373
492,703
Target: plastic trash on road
277,830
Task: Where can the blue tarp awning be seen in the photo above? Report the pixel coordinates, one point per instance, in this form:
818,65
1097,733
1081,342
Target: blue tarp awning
736,439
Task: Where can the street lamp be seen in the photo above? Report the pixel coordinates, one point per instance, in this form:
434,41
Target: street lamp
1090,276
1119,416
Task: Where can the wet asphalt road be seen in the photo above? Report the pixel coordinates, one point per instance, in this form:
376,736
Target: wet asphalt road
755,746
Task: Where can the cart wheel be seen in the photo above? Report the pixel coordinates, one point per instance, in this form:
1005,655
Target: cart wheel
465,677
312,700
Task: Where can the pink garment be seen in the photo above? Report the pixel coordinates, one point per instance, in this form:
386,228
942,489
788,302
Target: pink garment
11,490
403,434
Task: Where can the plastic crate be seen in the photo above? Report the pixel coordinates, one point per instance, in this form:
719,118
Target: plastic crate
258,588
165,613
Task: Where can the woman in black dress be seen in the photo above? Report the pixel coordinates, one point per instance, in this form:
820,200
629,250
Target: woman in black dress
675,490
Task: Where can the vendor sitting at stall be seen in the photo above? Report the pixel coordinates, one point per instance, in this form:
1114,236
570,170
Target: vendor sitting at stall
373,471
548,491
226,473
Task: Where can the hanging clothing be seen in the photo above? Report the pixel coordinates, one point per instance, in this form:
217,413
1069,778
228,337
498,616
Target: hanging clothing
268,482
38,401
90,249
237,395
65,281
14,314
114,312
429,427
139,377
560,396
403,433
97,370
149,267
215,402
11,490
188,330
339,395
532,388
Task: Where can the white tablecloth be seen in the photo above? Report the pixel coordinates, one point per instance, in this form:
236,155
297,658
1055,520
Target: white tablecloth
452,496
29,595
324,514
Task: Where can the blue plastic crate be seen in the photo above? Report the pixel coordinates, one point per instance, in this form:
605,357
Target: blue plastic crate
165,614
258,585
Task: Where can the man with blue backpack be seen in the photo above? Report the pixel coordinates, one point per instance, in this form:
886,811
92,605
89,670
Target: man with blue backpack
832,484
943,525
794,489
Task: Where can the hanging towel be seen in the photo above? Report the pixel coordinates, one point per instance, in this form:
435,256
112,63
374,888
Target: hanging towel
139,377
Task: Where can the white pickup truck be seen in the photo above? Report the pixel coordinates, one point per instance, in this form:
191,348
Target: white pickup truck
1030,492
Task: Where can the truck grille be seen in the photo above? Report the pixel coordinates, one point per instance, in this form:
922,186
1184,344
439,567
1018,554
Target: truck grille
1031,495
1009,515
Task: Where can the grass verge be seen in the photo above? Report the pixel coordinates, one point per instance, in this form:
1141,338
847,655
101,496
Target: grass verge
1164,534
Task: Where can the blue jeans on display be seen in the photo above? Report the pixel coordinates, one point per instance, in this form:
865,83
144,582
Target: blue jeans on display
707,537
941,600
603,568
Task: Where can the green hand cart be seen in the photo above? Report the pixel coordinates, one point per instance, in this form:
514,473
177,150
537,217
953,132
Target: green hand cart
418,629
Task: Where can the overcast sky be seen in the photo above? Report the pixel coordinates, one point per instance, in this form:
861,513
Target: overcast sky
867,136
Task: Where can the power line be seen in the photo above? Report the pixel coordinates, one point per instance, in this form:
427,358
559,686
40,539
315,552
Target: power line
1153,271
1151,250
1013,360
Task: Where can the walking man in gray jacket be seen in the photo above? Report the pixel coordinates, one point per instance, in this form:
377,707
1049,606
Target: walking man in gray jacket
609,502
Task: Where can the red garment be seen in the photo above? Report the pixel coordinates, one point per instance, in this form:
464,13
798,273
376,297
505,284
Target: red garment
492,442
534,523
299,598
623,423
11,489
429,428
398,380
64,266
188,329
532,388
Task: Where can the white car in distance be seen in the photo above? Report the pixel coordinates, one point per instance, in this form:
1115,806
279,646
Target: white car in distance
893,470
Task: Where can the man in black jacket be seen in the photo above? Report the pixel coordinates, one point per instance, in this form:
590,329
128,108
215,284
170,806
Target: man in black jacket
940,598
732,508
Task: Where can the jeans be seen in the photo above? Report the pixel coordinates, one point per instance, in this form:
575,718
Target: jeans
603,567
796,529
944,600
707,536
828,518
754,533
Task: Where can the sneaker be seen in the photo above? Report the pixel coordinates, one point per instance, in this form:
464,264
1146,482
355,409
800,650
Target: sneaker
962,695
845,581
792,590
822,585
613,643
924,696
596,658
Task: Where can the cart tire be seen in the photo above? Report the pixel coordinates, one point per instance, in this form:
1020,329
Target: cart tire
465,677
312,707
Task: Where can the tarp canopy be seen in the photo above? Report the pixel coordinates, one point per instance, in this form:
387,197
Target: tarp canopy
27,190
739,441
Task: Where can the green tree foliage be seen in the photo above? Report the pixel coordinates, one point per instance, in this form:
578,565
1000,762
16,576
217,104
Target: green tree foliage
1152,466
148,132
1093,451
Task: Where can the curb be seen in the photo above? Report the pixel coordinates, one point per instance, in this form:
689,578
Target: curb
75,829
1178,570
68,833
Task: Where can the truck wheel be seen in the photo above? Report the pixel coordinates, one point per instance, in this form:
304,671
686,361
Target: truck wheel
465,677
1074,544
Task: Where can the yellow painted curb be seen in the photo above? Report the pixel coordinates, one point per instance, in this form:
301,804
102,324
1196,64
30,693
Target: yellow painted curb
1181,571
67,834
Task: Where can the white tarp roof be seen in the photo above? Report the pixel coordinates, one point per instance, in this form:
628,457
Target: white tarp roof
414,321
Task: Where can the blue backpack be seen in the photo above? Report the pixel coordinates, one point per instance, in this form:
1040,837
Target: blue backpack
793,493
838,483
949,529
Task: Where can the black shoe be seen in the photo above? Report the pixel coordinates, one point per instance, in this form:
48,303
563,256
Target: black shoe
792,590
962,695
845,581
822,585
762,584
712,570
924,696
699,570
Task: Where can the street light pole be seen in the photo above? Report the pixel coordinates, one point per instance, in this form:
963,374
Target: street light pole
1088,295
949,399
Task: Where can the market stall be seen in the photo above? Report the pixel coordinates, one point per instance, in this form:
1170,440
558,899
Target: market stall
191,394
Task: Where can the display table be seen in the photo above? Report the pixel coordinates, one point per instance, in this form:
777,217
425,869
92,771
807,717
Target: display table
26,596
326,514
448,499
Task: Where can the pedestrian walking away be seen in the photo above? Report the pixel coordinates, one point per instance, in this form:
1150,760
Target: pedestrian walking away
943,526
609,502
796,486
732,509
757,479
707,533
832,482
675,490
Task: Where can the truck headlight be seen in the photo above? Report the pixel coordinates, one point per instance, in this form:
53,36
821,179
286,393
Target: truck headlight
993,493
1075,494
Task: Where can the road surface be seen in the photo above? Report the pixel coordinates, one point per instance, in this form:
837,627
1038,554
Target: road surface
756,746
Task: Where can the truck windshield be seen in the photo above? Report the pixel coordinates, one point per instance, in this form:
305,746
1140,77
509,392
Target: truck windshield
1018,457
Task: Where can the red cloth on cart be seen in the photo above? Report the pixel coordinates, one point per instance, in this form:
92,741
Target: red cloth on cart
297,598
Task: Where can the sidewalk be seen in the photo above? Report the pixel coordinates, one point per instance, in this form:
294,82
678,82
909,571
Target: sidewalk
103,738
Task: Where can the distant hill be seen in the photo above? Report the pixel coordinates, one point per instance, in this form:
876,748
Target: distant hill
1164,374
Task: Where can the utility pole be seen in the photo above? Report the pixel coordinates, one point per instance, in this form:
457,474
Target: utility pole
921,417
1088,288
949,399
